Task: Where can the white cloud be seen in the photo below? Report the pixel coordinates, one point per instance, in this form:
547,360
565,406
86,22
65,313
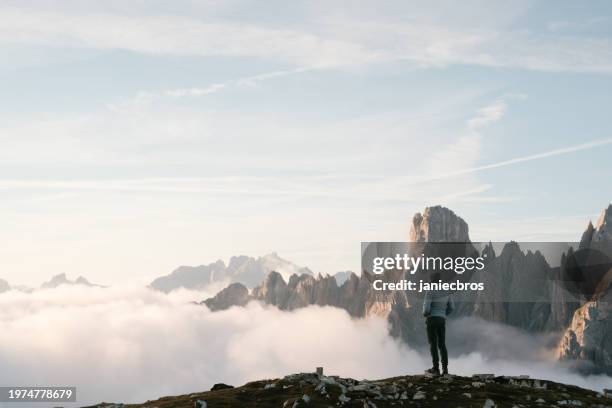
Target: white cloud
315,40
133,344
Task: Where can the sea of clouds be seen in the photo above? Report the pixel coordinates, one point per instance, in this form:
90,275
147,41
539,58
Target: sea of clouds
132,344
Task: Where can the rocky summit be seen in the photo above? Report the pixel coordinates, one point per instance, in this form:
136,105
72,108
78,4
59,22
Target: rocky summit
320,391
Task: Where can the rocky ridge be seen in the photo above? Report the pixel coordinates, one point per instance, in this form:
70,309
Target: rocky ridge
587,341
318,391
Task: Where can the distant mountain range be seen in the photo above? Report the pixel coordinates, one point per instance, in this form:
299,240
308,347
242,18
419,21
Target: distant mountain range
246,270
61,279
54,282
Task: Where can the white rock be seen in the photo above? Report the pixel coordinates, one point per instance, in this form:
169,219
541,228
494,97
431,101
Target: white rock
467,395
419,395
489,403
344,398
306,398
478,384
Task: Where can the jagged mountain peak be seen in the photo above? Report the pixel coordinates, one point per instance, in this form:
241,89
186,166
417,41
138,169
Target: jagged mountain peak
605,219
600,232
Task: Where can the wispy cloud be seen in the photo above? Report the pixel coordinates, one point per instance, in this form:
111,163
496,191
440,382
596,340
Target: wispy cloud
317,42
527,158
194,92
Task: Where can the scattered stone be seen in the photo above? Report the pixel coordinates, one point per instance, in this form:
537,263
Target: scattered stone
221,386
306,398
344,398
467,395
419,395
575,403
540,401
489,403
478,384
269,385
201,404
484,376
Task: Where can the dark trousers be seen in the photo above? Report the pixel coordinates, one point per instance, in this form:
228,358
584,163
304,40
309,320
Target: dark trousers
436,332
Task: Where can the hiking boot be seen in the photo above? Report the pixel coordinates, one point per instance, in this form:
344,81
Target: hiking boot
444,371
433,371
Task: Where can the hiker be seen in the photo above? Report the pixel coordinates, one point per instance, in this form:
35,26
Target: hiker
436,306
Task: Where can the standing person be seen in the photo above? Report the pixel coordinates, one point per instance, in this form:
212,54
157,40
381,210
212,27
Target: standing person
436,306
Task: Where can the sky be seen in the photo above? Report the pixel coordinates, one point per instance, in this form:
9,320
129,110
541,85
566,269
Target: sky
137,136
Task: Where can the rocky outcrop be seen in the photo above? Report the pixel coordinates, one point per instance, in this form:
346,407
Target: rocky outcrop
272,291
588,339
518,290
322,391
601,232
235,294
438,224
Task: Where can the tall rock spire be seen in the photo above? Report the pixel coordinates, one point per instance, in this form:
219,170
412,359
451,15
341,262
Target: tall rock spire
438,224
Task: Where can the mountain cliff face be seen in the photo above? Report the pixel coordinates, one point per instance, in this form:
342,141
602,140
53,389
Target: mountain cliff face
514,276
588,339
438,224
602,232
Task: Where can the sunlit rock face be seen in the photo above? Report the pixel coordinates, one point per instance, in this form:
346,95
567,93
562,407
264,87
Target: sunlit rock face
601,232
438,224
588,339
235,294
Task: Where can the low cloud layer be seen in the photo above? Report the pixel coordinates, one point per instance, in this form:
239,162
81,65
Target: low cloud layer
134,344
